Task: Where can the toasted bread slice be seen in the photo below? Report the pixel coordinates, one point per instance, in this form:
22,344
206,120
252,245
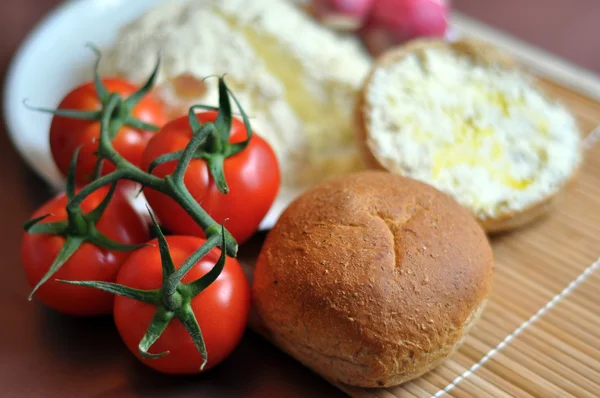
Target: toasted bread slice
464,118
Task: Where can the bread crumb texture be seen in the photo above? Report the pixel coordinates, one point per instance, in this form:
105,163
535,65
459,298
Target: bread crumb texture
371,279
297,80
483,133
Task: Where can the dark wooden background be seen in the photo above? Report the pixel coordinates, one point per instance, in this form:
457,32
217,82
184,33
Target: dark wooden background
48,355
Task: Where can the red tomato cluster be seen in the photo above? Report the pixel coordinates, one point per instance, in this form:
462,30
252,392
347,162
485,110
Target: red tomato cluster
221,309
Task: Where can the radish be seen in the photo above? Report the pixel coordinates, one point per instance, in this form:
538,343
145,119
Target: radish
393,22
345,15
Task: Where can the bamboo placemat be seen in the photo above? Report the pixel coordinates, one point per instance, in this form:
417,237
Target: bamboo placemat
540,332
539,335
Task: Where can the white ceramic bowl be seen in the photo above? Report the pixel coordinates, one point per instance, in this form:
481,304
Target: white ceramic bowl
52,61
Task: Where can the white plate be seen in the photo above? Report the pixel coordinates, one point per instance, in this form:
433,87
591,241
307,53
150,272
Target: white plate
52,61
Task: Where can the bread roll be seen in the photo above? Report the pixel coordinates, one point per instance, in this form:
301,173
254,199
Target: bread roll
463,118
372,279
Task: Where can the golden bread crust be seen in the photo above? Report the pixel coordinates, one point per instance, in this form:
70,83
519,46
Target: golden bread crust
371,279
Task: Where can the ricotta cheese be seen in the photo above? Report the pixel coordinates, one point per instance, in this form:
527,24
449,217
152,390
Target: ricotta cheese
483,134
297,80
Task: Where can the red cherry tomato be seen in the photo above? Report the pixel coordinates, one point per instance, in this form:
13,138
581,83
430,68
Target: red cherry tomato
67,134
221,310
119,222
252,176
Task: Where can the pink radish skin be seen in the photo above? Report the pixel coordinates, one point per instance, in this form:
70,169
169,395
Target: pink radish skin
392,22
345,15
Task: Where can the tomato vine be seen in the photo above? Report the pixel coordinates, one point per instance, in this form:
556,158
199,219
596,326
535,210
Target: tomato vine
210,141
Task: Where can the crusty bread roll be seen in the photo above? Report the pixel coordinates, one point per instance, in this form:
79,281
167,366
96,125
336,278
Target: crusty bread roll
372,279
463,118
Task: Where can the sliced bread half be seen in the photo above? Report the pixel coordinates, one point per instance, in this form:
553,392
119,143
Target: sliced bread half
464,118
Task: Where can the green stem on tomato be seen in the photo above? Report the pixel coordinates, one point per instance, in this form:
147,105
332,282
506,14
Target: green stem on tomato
171,284
69,248
86,191
159,323
188,153
188,319
173,299
215,166
172,185
185,199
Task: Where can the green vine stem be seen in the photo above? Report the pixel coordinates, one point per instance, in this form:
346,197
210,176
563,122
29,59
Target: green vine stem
78,229
121,115
210,142
172,185
173,299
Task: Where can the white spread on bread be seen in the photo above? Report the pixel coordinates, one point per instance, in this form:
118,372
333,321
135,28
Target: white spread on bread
296,79
484,134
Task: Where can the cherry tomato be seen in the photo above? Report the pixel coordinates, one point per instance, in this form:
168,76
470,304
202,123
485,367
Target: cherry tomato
67,134
221,310
252,176
119,222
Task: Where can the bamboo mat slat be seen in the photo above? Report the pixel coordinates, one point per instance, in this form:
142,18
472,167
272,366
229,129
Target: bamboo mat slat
558,355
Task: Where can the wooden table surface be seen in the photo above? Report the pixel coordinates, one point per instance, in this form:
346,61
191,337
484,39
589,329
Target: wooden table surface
46,354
